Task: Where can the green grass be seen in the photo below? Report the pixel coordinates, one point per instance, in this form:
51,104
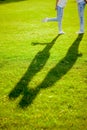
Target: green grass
43,76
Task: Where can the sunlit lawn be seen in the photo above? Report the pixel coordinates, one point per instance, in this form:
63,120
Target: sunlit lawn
43,75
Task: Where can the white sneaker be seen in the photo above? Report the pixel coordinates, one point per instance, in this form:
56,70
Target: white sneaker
61,32
80,32
45,20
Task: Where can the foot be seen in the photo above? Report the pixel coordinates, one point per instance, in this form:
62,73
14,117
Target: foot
45,20
80,32
61,32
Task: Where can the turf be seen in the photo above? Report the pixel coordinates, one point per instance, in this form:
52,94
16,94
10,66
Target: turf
43,75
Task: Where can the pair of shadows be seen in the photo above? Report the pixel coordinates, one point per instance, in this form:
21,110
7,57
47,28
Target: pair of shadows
55,74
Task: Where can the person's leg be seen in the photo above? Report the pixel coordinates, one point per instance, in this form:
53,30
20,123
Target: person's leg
59,17
55,19
81,7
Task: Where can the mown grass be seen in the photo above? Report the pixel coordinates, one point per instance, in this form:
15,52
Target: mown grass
43,75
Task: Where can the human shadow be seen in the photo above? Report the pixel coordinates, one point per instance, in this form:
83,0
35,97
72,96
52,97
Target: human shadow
9,1
55,74
36,65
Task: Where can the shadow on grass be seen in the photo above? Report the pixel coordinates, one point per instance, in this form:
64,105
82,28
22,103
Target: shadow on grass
9,1
36,65
55,74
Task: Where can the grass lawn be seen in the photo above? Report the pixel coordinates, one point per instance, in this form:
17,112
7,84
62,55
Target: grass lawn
43,75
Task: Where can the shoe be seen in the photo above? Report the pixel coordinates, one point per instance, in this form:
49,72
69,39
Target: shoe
61,32
45,20
80,32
